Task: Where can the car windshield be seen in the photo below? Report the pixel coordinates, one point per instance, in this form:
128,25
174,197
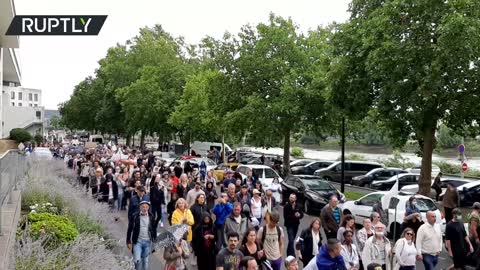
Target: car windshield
425,205
317,185
269,173
258,172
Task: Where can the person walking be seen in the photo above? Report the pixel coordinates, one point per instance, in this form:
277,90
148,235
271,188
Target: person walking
309,242
362,236
222,210
331,216
457,240
272,237
256,204
157,198
377,249
251,247
474,232
198,209
211,194
292,214
329,257
412,218
429,242
348,223
109,191
235,222
229,257
176,256
203,242
437,186
405,251
183,215
192,195
451,200
349,251
138,196
141,233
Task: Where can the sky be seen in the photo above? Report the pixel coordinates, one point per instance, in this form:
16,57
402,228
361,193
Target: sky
55,64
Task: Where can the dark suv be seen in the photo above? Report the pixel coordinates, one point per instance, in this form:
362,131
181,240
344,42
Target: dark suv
352,169
375,175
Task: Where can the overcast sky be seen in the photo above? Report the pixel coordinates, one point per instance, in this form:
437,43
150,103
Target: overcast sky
57,64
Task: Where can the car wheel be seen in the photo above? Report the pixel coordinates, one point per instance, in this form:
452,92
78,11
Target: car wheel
347,212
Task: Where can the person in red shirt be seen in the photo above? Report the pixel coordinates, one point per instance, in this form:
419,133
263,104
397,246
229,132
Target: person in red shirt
174,181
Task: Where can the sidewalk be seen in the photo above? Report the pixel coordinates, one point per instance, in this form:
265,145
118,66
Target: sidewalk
10,216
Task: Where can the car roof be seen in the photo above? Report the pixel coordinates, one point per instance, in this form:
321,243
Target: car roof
469,185
400,195
360,162
254,166
306,177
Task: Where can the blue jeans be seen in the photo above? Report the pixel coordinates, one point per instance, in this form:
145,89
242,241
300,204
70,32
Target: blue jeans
119,201
429,261
292,233
141,252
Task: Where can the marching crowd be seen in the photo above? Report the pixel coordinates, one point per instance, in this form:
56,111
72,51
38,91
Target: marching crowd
234,224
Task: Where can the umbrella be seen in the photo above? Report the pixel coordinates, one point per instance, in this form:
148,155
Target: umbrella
168,237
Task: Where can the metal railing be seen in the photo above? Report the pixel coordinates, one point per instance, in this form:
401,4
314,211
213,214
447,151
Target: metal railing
13,167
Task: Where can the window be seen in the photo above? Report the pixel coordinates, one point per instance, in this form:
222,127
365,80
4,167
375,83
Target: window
20,95
425,205
12,95
30,98
35,97
20,104
243,170
12,84
258,173
290,181
38,114
269,173
13,104
359,167
31,105
370,200
35,105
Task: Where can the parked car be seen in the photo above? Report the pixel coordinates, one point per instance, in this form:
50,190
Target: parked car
264,173
413,189
352,169
310,168
42,153
416,169
362,208
312,192
403,180
222,168
202,148
469,193
300,162
376,175
194,162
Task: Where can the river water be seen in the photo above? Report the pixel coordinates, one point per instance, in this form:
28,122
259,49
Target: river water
334,155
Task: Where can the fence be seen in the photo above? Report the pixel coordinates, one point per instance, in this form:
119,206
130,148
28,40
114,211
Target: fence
13,166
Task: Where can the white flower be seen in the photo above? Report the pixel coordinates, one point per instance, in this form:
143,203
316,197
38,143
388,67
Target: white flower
32,207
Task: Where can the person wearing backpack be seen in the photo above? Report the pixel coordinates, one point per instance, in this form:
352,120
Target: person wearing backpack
271,235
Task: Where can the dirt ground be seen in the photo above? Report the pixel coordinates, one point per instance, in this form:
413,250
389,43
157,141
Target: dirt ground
6,145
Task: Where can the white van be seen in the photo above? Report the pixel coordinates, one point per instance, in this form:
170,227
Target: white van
202,148
96,138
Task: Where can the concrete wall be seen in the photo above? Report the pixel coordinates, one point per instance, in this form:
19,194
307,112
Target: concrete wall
20,117
1,92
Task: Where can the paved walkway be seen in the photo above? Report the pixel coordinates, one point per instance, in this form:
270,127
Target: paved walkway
10,214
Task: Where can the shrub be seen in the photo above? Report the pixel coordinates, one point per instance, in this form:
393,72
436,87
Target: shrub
448,168
60,228
20,135
85,224
397,161
353,157
35,194
38,139
446,138
296,152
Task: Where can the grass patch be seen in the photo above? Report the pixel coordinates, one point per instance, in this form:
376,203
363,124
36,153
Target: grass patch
350,195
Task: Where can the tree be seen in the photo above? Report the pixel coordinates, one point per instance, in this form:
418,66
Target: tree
281,77
415,63
55,122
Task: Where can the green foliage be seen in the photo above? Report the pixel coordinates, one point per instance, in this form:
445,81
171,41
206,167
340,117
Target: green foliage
20,135
296,152
353,157
85,224
36,196
397,161
60,228
415,62
38,139
350,195
446,138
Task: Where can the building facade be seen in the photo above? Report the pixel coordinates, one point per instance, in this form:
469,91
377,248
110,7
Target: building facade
23,97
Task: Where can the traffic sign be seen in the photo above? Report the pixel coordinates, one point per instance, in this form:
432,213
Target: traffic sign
461,148
464,167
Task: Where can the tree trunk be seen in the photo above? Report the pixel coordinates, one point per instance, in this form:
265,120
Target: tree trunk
116,139
286,153
425,181
128,140
142,140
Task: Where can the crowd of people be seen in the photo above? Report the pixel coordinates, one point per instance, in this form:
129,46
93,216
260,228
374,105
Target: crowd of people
235,223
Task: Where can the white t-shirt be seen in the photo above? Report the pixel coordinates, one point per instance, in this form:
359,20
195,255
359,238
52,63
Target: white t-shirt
315,239
256,208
